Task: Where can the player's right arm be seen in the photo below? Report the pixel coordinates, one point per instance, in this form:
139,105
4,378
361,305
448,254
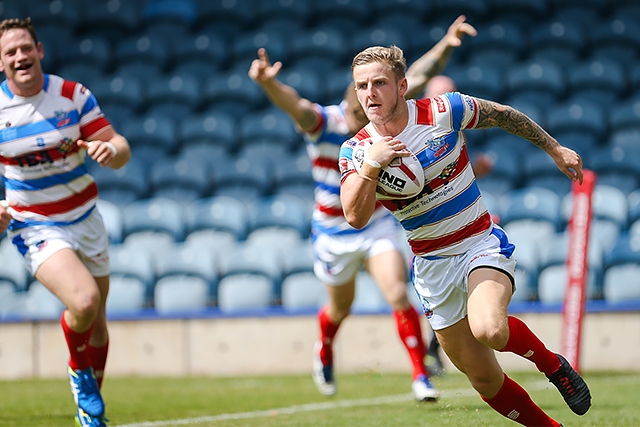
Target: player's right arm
283,96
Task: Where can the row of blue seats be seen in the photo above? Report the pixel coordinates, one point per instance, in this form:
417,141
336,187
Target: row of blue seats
194,276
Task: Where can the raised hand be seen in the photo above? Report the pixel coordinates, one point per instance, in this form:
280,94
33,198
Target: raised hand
261,70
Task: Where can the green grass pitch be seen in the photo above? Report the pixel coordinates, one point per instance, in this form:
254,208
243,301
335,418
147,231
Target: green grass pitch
363,400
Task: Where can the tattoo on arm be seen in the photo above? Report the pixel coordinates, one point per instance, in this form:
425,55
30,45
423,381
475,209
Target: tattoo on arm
491,114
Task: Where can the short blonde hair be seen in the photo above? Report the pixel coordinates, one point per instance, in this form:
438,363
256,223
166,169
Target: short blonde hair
392,56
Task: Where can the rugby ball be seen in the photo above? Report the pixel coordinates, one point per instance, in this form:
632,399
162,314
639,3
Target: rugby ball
403,178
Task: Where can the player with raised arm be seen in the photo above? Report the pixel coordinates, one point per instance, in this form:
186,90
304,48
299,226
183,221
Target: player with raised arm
340,249
47,127
464,266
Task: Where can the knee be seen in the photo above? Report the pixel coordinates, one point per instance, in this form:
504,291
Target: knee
85,305
396,296
492,334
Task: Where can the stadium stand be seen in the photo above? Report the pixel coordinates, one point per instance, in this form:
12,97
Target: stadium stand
172,77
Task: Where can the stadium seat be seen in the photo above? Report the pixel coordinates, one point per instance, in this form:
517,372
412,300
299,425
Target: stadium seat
133,267
301,289
523,13
625,251
597,81
205,153
64,14
92,49
292,175
121,91
626,114
608,203
633,201
195,268
153,130
250,278
179,94
538,206
307,82
616,167
527,254
112,217
336,85
539,82
142,54
552,279
183,12
357,10
200,54
374,35
122,186
268,125
224,214
181,294
616,39
620,283
324,47
506,170
301,11
368,298
179,180
279,212
127,296
558,41
158,215
41,303
498,44
625,138
213,14
541,171
244,48
233,92
243,178
210,128
480,80
583,119
12,269
112,20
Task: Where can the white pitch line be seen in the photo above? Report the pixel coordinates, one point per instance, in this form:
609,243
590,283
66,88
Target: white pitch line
309,407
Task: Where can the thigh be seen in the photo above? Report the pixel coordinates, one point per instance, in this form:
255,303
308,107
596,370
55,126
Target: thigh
64,274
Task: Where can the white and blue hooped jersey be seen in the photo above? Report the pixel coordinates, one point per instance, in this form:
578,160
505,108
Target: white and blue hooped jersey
43,168
449,214
323,147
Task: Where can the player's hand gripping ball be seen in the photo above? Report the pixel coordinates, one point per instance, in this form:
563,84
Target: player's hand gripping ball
403,178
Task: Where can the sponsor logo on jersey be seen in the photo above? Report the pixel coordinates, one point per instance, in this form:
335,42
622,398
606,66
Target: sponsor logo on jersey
62,117
65,145
440,103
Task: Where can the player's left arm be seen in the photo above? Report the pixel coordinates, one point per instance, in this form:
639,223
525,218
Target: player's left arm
492,114
108,148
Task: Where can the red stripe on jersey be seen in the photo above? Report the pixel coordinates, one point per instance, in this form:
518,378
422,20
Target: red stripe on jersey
328,210
319,126
479,225
64,205
363,134
43,156
425,114
326,162
94,127
68,88
476,115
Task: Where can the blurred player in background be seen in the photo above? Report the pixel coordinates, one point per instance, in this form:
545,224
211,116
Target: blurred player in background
464,267
340,249
47,127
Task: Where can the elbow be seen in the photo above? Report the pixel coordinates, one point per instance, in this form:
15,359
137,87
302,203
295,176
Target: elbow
355,221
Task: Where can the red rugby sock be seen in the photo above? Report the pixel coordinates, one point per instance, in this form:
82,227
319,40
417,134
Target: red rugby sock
513,402
98,358
328,331
523,342
410,331
78,343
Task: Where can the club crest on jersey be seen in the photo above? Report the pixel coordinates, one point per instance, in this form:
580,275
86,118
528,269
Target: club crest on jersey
448,170
438,145
65,145
62,117
426,307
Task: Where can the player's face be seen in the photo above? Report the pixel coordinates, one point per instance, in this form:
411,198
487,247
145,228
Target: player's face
20,61
377,91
